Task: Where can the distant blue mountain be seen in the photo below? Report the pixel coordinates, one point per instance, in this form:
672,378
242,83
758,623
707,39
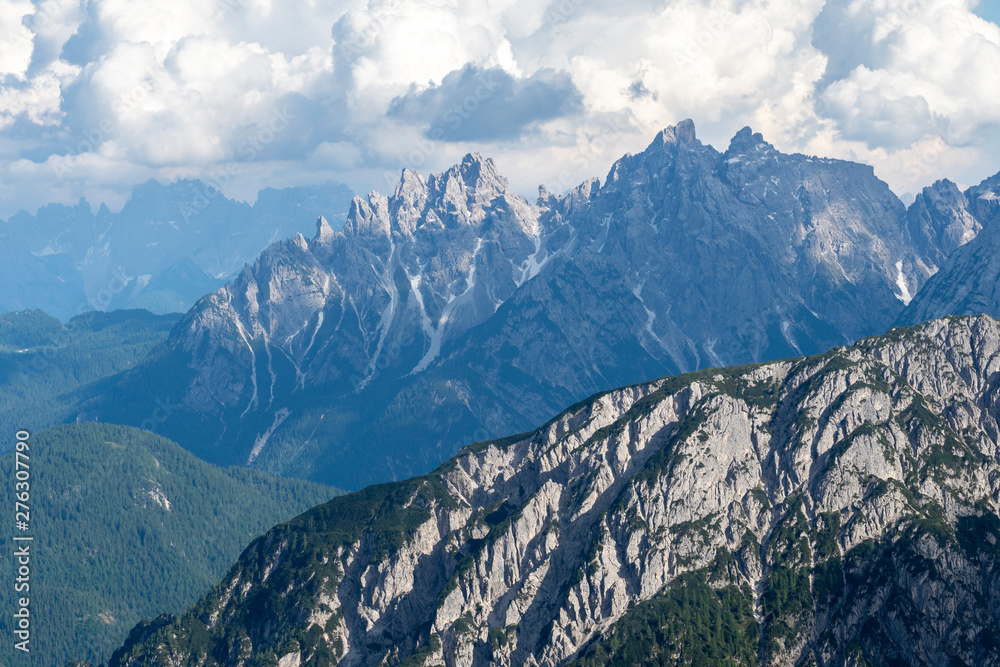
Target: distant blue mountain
168,246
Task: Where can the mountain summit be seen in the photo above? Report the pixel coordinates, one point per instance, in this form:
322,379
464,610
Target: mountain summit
453,309
969,276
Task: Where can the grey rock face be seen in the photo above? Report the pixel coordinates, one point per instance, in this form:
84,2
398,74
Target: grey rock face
845,504
686,258
338,314
453,310
941,220
969,280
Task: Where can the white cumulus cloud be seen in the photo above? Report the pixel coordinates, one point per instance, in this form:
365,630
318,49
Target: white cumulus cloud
96,95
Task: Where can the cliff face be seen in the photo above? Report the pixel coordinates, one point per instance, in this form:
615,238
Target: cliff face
967,283
942,219
839,509
454,310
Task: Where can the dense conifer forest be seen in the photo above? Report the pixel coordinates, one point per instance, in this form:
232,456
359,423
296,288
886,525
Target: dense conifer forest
128,525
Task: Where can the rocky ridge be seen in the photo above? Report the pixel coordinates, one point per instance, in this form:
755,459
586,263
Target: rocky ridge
834,509
968,279
454,310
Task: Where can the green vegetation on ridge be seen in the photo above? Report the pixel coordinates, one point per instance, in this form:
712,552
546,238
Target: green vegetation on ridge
128,525
46,367
690,623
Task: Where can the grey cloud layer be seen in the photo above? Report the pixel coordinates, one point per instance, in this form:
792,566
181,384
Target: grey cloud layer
476,104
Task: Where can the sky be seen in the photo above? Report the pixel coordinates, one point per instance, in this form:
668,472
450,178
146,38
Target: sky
98,95
989,10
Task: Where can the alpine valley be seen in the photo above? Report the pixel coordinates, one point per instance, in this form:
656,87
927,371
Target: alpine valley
454,310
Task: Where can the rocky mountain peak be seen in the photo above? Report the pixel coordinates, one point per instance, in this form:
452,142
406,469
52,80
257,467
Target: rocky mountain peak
154,199
408,203
679,261
674,148
454,198
369,217
943,194
967,280
681,133
153,189
474,173
544,196
466,188
940,221
747,141
990,186
411,189
985,198
324,232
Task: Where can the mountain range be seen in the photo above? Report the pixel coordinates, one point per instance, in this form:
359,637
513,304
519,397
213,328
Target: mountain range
167,247
837,509
455,310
